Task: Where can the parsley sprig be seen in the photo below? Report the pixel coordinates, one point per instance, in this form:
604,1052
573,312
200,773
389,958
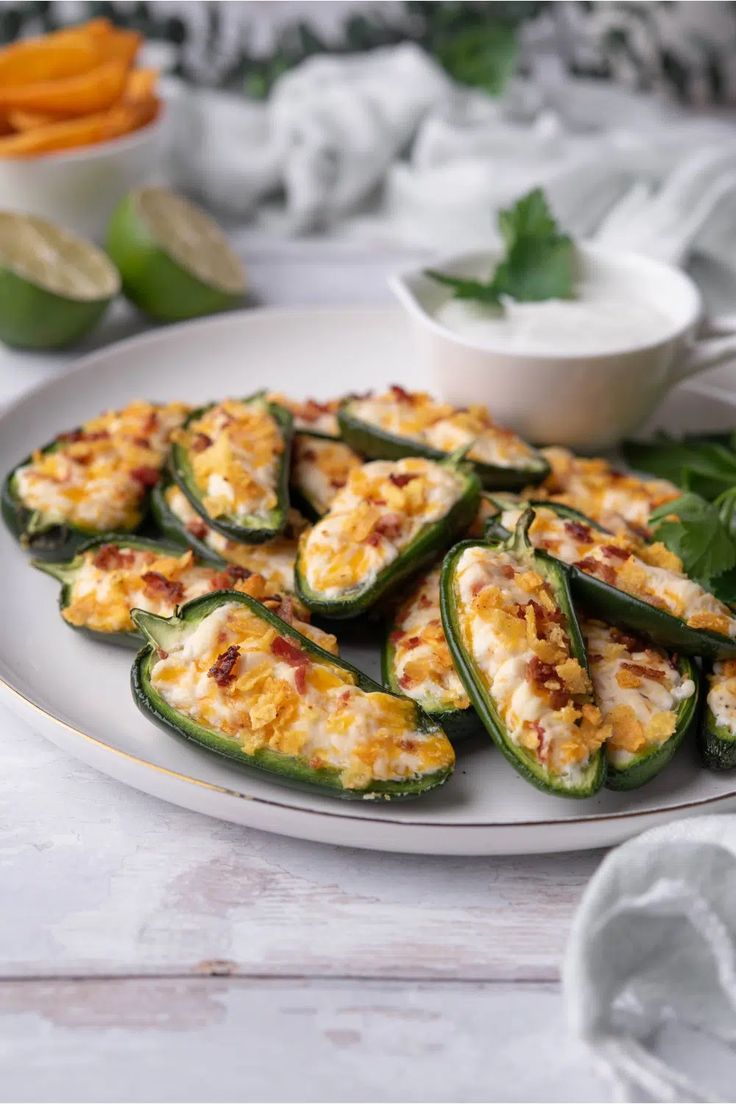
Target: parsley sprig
538,262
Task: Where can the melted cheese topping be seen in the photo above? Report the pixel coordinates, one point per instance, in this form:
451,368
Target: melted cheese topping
419,417
273,559
320,468
112,580
649,572
98,476
638,688
421,658
310,415
619,501
722,694
234,450
277,696
513,629
380,511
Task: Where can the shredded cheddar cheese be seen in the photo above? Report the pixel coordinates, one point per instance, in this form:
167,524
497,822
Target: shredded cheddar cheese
310,415
722,694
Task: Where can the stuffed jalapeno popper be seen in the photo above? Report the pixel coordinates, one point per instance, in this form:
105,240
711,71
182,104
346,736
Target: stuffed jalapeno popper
235,678
403,423
94,479
510,624
180,523
110,576
231,460
718,732
647,696
319,469
389,521
416,660
628,582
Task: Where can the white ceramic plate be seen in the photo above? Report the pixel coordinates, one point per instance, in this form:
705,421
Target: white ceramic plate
76,691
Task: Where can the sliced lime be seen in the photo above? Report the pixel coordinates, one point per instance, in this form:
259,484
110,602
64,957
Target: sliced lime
174,259
53,287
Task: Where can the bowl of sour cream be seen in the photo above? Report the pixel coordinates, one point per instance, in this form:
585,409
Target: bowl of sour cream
582,372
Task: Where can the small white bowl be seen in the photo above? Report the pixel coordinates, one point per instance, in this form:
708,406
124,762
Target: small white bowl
78,189
586,401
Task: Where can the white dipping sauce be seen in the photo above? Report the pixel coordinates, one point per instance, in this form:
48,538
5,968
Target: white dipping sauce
603,317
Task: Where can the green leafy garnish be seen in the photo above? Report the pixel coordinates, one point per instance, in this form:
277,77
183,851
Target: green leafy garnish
704,465
538,263
694,530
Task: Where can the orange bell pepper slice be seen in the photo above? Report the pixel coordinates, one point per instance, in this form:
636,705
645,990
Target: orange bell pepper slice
84,94
72,133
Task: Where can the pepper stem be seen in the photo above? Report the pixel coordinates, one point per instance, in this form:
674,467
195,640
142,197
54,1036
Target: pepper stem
519,542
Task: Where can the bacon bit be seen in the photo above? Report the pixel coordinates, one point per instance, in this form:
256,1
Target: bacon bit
197,528
614,550
75,435
286,608
543,745
200,442
316,763
222,670
400,479
237,572
142,442
157,585
396,636
291,653
146,476
413,642
162,654
577,530
378,501
307,454
401,394
640,531
345,697
406,682
300,678
645,672
542,615
338,484
425,601
477,587
595,567
537,671
507,570
628,640
151,422
311,410
221,580
408,745
111,558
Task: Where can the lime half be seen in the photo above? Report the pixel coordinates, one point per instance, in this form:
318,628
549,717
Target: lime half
174,259
53,287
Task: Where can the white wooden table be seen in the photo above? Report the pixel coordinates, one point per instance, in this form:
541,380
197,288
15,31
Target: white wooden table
149,953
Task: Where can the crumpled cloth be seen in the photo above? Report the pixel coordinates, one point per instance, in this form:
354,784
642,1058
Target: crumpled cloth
653,950
384,148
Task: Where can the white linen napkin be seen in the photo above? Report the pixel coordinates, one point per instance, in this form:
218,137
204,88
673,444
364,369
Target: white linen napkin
652,952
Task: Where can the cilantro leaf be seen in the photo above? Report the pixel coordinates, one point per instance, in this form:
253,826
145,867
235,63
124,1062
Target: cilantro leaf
466,288
539,261
705,466
692,528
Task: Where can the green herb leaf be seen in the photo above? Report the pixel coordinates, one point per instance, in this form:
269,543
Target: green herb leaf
466,289
692,528
706,467
539,262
